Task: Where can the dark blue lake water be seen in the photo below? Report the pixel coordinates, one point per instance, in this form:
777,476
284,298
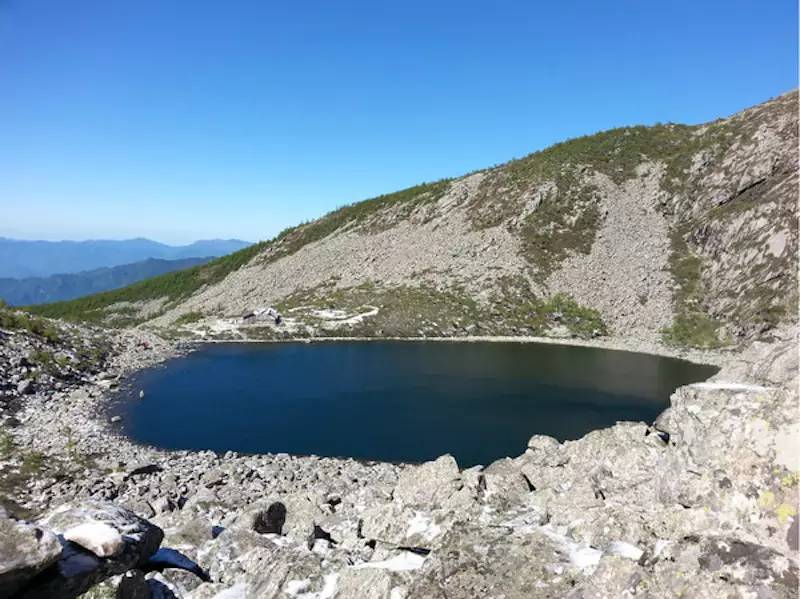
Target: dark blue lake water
395,401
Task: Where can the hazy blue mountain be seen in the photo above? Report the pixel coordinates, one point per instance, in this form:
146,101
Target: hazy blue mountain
41,290
23,258
210,247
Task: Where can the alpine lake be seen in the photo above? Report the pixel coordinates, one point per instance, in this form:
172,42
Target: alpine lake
398,401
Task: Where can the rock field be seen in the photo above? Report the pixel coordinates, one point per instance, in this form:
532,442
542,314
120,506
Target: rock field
701,503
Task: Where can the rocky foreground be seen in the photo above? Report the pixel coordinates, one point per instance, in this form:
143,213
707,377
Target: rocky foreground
702,503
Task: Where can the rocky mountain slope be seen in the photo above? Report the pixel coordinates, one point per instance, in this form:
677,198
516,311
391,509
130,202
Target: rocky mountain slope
681,233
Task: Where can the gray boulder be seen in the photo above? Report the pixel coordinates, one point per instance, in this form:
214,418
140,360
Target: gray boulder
78,569
368,583
295,515
429,484
504,483
476,561
25,551
286,573
25,387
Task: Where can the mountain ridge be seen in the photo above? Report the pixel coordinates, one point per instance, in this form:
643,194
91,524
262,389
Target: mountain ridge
61,287
22,258
657,230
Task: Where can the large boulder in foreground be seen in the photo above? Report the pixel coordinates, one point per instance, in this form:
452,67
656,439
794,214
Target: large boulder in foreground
476,561
25,551
124,541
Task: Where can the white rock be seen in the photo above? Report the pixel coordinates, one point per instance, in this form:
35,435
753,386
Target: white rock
626,550
399,563
237,591
99,538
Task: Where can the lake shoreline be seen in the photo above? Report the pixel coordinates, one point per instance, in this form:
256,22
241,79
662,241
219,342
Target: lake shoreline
711,357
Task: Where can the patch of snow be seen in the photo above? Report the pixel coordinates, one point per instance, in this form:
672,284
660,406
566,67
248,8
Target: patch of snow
340,317
359,317
580,555
486,515
329,314
661,544
295,587
729,386
237,591
329,587
584,557
787,446
298,308
397,593
424,525
777,243
623,549
320,546
399,563
526,522
278,540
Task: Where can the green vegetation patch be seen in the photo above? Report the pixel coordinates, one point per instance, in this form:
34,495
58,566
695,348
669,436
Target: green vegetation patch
565,221
359,213
7,445
692,326
14,320
189,318
405,311
693,329
581,321
33,462
568,216
616,153
515,305
558,229
93,356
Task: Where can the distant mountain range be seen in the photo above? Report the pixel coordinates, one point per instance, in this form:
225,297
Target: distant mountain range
42,290
24,258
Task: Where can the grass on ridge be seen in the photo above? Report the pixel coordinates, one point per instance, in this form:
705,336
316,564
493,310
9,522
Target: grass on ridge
188,318
14,320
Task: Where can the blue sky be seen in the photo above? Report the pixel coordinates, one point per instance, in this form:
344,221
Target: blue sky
193,119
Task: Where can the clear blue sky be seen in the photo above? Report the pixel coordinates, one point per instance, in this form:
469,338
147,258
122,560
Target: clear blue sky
187,119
